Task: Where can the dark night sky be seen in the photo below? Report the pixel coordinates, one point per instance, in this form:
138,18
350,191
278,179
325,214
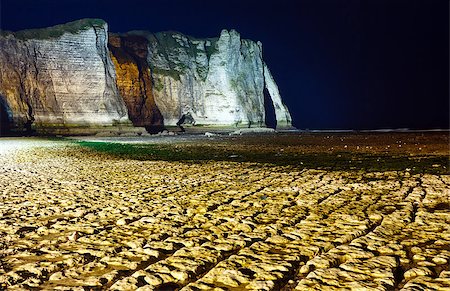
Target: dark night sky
340,64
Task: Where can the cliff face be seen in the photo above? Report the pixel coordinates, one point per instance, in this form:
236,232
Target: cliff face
129,55
220,81
56,77
76,76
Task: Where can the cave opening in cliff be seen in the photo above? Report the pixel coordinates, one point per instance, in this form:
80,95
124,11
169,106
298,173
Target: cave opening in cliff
5,117
270,117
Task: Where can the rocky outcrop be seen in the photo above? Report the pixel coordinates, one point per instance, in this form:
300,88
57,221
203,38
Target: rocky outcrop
75,76
133,79
220,81
60,77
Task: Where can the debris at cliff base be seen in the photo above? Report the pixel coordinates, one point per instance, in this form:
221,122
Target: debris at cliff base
253,130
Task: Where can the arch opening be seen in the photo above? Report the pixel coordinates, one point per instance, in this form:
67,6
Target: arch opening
270,116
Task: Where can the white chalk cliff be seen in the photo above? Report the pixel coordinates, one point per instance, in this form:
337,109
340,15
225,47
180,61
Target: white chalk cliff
220,81
69,76
61,76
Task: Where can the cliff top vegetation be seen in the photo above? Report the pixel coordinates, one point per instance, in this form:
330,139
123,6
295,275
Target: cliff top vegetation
57,30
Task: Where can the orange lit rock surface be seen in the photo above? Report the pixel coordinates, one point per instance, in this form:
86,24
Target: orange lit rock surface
133,79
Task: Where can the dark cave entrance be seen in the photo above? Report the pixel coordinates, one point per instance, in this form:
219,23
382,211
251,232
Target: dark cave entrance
5,118
270,119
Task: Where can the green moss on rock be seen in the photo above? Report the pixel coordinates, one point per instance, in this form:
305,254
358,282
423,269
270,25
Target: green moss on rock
159,85
339,161
174,74
168,44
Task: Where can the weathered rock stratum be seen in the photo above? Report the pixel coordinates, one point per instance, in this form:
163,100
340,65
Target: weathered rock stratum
76,76
219,81
59,77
